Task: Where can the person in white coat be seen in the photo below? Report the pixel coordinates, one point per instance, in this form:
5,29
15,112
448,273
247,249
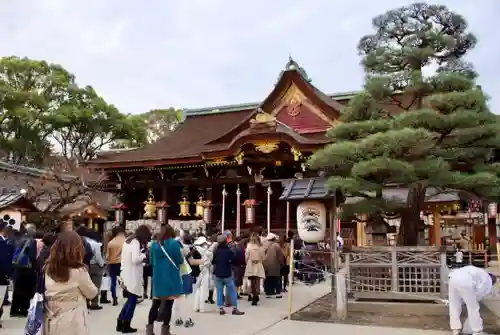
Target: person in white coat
133,255
203,282
468,285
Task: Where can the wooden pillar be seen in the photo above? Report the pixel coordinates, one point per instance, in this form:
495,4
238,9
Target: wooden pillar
238,210
436,228
269,192
164,195
287,218
360,231
223,215
209,226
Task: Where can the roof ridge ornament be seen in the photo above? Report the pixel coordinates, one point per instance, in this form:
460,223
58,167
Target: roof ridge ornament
292,65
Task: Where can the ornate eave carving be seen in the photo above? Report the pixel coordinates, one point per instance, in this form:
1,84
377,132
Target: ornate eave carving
263,120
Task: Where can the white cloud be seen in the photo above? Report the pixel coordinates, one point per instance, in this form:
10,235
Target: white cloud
207,52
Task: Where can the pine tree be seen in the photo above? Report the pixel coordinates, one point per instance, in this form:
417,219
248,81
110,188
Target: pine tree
421,121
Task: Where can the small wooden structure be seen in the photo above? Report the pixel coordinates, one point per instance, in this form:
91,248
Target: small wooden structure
317,189
14,206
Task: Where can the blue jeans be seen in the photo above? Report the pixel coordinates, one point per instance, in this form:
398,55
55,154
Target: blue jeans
220,283
114,272
127,312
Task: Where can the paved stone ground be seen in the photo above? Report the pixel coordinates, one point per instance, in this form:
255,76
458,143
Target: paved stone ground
266,319
256,319
315,328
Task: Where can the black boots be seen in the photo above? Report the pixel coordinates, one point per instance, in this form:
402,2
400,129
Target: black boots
119,325
126,329
255,300
115,301
104,297
210,299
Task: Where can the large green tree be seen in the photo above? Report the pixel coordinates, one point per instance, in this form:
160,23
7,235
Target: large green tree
149,127
42,109
406,128
26,89
85,124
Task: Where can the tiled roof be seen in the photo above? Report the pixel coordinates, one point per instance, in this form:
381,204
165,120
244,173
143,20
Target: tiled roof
201,126
187,141
11,198
304,189
400,194
254,105
8,199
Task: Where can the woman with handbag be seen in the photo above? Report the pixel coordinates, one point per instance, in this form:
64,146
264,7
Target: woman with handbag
67,287
166,259
132,259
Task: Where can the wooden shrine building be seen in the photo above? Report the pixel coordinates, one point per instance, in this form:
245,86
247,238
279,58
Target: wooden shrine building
230,157
225,166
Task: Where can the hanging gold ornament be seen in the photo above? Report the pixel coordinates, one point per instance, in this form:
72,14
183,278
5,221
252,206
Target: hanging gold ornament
150,206
184,207
199,207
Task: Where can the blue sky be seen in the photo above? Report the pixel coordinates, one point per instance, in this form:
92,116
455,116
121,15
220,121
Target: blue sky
149,54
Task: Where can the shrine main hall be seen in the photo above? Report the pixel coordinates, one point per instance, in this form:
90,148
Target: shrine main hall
225,166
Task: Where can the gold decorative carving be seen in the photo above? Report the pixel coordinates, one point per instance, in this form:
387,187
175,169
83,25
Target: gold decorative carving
267,147
238,158
217,161
297,155
150,206
263,120
293,96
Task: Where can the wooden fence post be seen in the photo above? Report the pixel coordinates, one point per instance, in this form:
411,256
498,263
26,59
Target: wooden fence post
443,275
394,270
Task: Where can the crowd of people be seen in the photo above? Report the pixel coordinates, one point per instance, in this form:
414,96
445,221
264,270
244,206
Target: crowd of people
69,268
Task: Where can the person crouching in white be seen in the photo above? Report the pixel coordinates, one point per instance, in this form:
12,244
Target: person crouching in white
203,281
468,285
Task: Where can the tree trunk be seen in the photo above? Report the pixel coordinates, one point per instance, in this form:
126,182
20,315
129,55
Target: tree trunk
410,216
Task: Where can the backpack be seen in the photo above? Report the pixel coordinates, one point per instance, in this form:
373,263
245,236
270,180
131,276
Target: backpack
20,257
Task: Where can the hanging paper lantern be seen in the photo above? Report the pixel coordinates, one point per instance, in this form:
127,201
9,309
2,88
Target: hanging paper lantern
249,205
492,210
119,212
311,221
184,207
249,215
161,211
207,211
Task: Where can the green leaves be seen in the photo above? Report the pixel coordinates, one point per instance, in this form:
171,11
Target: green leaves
384,169
409,129
357,130
149,127
43,109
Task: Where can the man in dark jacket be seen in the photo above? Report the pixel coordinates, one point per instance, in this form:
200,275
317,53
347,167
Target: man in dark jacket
6,250
223,261
24,274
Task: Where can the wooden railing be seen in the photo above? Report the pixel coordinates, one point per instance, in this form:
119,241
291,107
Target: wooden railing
479,258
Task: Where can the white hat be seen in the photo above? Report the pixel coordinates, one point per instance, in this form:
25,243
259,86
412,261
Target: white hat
201,240
271,237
